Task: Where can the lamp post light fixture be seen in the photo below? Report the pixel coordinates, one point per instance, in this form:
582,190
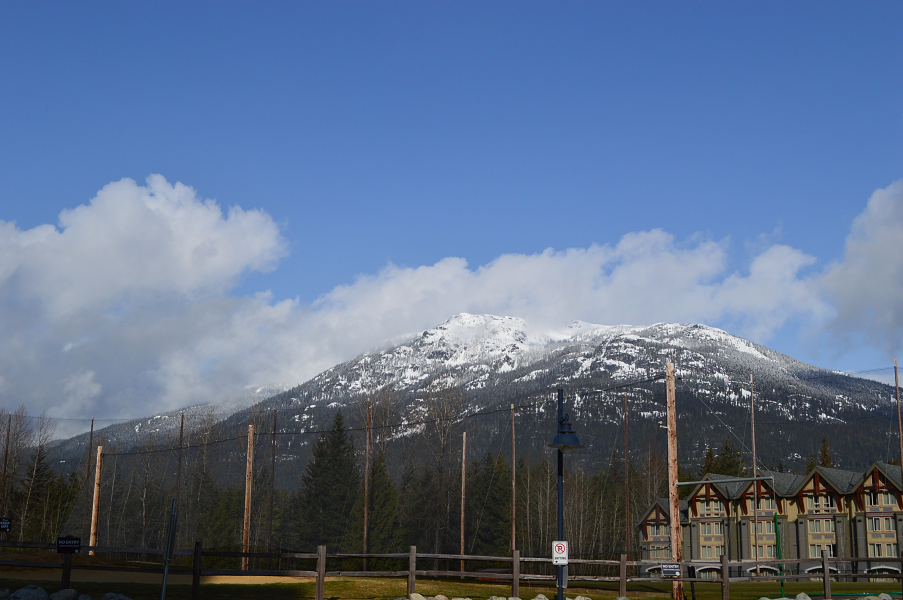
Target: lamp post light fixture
565,441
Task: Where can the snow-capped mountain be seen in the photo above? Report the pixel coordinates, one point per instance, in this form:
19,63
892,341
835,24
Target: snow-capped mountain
497,361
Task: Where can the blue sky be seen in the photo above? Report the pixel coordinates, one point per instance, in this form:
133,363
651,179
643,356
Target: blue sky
396,163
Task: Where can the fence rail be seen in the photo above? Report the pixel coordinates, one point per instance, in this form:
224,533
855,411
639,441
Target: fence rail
514,575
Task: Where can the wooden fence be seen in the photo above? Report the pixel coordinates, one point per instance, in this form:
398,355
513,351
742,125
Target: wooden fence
514,574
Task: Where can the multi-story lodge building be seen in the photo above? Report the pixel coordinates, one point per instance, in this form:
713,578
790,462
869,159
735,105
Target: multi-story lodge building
847,514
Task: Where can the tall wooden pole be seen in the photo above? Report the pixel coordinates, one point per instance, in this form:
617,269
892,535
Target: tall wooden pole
94,507
367,488
272,481
513,488
626,479
179,470
463,494
677,587
246,529
899,420
755,470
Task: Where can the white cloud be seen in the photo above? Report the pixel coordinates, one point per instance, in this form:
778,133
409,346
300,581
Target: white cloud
866,287
124,309
131,240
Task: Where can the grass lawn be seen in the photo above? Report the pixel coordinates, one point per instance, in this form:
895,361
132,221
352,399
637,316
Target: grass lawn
358,588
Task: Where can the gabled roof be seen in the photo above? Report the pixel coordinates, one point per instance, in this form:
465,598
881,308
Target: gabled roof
663,504
844,482
891,472
730,490
785,484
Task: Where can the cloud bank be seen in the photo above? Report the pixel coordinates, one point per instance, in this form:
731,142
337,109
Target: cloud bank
124,308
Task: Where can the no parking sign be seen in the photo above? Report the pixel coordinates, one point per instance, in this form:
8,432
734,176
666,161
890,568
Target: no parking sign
559,553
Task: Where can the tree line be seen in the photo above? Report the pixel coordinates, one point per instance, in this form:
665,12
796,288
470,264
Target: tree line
414,489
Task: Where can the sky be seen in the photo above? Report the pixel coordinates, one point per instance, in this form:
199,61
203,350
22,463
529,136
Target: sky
200,197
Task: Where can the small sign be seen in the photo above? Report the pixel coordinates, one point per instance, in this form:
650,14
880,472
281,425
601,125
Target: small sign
559,553
671,570
5,524
68,545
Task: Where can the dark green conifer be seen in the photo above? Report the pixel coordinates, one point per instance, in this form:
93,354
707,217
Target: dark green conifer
329,487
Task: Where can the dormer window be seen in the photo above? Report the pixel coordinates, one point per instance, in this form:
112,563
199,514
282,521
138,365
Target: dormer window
711,506
820,502
766,503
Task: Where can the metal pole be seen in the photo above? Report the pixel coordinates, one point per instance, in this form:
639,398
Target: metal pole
179,471
899,419
777,532
513,488
626,479
560,493
246,529
463,483
752,420
272,482
677,587
367,487
9,423
87,476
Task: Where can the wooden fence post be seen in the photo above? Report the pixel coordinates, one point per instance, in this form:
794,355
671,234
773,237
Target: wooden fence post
515,573
412,569
321,572
725,579
622,586
196,573
826,575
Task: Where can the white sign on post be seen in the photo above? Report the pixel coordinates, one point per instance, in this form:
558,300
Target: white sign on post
559,553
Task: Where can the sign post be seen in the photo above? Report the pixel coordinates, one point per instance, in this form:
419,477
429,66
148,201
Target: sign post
560,560
67,546
671,570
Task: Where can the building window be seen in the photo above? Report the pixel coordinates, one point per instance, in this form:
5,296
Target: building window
711,506
706,552
829,526
871,498
888,524
815,526
820,501
657,529
765,527
875,550
659,552
766,503
888,498
831,550
815,550
874,524
891,550
719,551
705,529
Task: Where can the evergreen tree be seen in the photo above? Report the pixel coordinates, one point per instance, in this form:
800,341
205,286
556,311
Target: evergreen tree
729,461
329,486
385,535
488,510
810,463
824,456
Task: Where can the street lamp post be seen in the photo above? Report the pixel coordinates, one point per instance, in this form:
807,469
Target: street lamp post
565,441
